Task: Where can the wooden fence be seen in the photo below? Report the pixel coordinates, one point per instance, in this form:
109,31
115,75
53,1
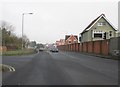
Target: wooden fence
3,48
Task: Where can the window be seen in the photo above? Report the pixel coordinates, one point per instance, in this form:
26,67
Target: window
101,23
74,41
110,33
97,35
80,39
69,41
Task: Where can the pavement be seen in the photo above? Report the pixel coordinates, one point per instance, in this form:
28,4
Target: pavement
62,68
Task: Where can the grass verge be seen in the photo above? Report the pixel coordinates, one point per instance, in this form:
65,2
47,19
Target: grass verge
19,52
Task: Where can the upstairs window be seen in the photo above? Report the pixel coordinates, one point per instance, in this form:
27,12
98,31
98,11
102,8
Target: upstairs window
101,23
69,41
75,41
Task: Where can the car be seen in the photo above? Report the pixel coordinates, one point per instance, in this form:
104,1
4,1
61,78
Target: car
41,49
54,50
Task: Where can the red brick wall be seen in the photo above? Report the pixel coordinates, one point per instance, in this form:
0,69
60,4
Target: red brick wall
105,47
96,47
85,47
80,47
77,47
90,47
73,47
69,47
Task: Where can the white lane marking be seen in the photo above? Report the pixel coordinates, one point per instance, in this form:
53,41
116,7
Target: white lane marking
11,69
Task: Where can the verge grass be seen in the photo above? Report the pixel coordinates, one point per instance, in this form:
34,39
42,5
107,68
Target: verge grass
18,52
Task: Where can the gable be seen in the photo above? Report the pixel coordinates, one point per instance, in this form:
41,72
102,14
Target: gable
72,36
95,21
107,24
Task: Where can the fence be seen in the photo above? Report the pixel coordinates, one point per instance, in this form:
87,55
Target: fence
114,46
7,48
3,48
96,47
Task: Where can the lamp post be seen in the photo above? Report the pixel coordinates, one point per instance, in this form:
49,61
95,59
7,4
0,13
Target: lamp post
23,26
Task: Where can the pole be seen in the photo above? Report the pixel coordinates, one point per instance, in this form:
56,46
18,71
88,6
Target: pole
22,28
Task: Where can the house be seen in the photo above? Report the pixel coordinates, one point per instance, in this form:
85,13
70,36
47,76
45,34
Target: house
118,34
60,42
98,29
69,39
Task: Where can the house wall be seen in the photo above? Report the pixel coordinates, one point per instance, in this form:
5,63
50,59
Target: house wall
72,38
114,46
61,42
84,37
117,33
87,36
105,28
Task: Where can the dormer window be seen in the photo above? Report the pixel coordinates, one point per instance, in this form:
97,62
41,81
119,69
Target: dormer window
101,23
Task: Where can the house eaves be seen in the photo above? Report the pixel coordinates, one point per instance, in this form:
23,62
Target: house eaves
95,21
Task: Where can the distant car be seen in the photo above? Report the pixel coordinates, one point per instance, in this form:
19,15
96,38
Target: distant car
54,50
41,49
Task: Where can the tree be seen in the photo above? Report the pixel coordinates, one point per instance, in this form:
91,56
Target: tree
25,41
9,38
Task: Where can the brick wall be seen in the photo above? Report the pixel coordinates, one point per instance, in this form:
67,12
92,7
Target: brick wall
105,47
95,47
85,47
90,47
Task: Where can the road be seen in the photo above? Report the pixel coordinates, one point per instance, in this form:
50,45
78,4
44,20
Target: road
62,68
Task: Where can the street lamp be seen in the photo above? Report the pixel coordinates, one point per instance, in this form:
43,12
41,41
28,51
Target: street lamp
23,25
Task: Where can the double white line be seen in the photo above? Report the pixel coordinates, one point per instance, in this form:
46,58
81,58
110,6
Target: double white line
11,69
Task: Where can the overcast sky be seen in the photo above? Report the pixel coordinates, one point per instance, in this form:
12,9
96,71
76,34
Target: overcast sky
53,19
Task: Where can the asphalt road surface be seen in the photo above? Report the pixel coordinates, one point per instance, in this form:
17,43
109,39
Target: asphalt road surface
62,68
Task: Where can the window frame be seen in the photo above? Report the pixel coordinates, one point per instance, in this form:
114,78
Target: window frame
101,35
101,23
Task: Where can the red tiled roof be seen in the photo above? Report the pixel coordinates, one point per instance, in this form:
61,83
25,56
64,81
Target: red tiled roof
67,36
